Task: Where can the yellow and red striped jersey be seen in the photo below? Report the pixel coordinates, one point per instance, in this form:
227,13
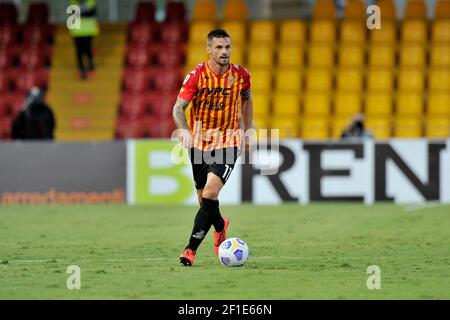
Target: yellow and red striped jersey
216,101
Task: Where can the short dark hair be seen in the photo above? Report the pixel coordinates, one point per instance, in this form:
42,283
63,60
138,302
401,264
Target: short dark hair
217,33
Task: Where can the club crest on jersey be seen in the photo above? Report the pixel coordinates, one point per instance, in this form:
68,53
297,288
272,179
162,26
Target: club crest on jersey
230,80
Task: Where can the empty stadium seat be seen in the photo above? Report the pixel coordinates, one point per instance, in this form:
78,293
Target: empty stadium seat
287,126
288,79
195,54
324,9
349,79
8,36
442,9
381,127
414,30
290,56
133,106
5,127
321,55
380,79
351,55
142,34
261,79
441,30
323,30
160,128
6,82
382,56
379,103
439,103
175,11
293,32
173,34
411,79
8,13
347,102
437,127
236,29
412,55
409,103
36,35
145,12
27,79
161,104
167,80
338,125
353,31
139,57
387,33
407,127
263,31
136,81
387,7
238,54
260,56
169,58
32,59
198,31
416,9
317,103
261,102
38,13
439,79
355,9
236,10
204,10
315,128
286,103
130,129
318,79
440,55
6,59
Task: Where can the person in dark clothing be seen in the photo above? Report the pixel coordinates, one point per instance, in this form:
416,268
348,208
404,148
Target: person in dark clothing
36,120
356,129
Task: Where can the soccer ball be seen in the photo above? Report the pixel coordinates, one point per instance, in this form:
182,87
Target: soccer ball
233,252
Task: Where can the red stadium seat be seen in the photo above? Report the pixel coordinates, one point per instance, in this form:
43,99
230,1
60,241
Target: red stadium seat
173,33
145,12
5,82
34,35
175,11
6,59
142,34
161,105
167,80
139,57
136,81
5,128
133,106
38,13
32,59
8,36
130,129
160,128
4,105
27,79
8,13
170,58
16,103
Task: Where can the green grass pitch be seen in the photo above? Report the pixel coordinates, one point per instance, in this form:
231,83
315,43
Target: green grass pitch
319,251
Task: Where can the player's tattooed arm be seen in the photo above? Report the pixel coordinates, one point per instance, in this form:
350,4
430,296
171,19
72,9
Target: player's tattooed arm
247,111
179,116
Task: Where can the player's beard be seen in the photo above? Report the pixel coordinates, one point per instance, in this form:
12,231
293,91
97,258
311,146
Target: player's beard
226,64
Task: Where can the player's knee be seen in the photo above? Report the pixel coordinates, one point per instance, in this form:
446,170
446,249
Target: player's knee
210,193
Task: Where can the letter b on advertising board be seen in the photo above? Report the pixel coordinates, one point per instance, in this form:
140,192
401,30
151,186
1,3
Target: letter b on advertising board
152,175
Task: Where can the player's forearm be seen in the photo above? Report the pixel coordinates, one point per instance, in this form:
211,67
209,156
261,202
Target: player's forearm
179,115
247,112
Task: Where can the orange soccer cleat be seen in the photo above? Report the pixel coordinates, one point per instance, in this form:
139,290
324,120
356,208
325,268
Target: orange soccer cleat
221,236
187,257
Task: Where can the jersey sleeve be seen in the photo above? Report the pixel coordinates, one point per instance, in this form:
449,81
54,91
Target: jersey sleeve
246,87
189,88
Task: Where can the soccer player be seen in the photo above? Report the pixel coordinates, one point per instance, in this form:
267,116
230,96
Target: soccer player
222,110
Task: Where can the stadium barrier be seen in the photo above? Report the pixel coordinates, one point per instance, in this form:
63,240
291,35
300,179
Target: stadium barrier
145,172
62,173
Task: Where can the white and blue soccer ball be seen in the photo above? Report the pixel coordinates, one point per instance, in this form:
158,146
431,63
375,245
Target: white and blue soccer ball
233,252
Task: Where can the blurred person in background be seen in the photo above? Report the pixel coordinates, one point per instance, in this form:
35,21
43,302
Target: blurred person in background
356,128
83,37
36,120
